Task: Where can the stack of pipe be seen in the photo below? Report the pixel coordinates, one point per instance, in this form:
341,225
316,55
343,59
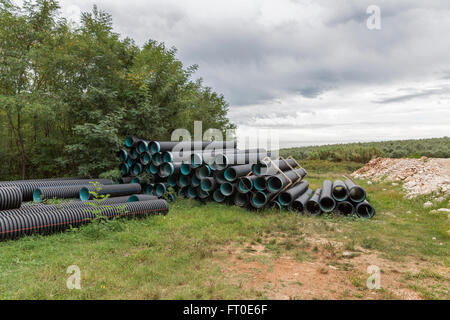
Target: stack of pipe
342,197
218,171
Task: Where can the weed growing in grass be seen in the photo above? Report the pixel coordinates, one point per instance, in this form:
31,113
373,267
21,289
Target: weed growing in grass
98,208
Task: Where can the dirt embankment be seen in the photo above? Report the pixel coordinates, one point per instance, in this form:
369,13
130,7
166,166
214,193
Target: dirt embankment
419,176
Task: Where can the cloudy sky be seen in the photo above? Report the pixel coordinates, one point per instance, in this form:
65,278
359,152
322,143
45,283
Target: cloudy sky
310,69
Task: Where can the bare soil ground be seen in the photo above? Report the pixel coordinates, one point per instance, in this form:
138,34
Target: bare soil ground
325,270
418,176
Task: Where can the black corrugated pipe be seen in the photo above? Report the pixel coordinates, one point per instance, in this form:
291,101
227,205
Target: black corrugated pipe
10,198
157,159
260,183
340,191
60,192
195,182
227,188
12,227
131,141
326,201
158,146
218,196
70,204
277,182
160,189
208,184
345,208
356,193
184,181
203,172
123,155
233,173
224,160
167,169
312,205
145,158
185,169
202,194
142,146
192,192
365,210
286,198
113,190
264,168
28,188
149,189
124,180
141,197
245,184
219,176
241,199
299,204
258,199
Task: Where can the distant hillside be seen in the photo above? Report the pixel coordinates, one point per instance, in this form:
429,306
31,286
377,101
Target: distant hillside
364,152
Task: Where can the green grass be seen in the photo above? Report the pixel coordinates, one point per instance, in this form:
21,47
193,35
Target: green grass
181,255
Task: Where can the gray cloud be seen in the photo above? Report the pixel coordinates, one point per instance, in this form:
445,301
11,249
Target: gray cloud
261,53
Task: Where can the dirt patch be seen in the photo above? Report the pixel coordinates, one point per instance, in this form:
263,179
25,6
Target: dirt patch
321,272
419,176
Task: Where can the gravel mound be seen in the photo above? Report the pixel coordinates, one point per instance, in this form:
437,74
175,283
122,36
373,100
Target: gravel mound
419,176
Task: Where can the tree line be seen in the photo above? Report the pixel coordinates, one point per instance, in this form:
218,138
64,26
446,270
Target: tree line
364,152
69,93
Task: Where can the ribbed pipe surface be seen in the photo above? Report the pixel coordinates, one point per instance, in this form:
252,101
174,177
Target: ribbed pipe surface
16,226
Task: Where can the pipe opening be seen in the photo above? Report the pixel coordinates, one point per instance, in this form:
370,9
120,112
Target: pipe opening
84,194
284,198
275,205
172,180
340,193
37,195
129,142
206,185
204,172
143,147
149,189
167,169
240,199
185,169
202,194
167,156
220,162
365,211
160,189
274,184
218,196
345,208
327,204
230,174
154,147
226,188
357,194
195,182
257,169
133,199
245,185
153,169
260,184
298,206
259,199
313,208
184,181
191,192
196,160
